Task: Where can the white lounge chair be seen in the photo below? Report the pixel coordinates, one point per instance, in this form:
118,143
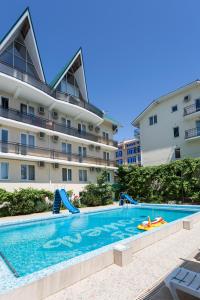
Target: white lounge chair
183,280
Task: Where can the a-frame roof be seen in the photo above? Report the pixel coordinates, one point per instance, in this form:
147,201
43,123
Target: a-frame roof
30,41
79,74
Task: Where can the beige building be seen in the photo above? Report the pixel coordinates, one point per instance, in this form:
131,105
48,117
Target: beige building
170,126
129,152
51,135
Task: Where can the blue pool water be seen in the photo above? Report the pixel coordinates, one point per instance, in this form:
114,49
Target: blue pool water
33,246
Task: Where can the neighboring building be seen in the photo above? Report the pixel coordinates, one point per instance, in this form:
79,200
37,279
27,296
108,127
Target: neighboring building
51,135
170,126
128,153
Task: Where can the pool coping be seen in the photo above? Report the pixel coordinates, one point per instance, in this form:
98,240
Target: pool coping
99,258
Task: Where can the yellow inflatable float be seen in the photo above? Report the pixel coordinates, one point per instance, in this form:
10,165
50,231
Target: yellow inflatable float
148,225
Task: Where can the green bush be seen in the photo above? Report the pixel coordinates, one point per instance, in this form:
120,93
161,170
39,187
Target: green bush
24,201
177,181
97,194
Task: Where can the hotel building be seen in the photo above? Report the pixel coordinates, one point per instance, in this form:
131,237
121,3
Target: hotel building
51,135
170,126
128,152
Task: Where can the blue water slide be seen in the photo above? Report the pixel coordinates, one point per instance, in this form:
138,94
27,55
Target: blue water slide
128,198
62,196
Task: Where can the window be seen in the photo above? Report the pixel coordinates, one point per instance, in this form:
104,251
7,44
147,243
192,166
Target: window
130,151
177,153
27,172
174,108
119,153
4,140
66,148
106,155
108,177
153,120
105,136
66,174
4,102
119,162
65,122
82,151
83,175
131,160
176,131
81,128
4,170
26,109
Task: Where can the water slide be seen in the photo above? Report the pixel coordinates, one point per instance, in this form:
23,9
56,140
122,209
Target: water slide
62,196
128,198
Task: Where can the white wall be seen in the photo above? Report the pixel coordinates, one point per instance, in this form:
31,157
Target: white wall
158,141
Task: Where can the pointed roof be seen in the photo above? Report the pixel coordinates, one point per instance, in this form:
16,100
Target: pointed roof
77,63
25,22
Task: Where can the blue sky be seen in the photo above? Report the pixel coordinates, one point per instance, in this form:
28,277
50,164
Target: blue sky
134,51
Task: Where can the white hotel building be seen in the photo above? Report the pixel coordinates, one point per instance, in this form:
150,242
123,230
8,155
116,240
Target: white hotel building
51,135
170,126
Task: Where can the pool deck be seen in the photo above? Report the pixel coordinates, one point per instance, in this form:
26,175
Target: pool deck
148,267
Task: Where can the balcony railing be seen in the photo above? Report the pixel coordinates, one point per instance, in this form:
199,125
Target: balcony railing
8,70
49,124
191,133
188,110
20,149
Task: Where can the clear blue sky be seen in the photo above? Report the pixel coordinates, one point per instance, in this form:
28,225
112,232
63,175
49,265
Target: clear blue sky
134,51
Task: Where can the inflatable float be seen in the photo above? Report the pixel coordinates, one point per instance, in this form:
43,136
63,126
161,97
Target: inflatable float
148,225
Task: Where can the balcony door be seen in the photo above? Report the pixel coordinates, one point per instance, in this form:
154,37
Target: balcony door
197,104
4,140
198,127
27,141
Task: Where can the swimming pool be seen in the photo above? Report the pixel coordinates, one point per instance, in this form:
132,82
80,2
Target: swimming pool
32,246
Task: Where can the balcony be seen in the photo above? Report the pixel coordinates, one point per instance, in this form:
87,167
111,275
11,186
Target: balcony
191,109
42,153
8,70
192,133
51,125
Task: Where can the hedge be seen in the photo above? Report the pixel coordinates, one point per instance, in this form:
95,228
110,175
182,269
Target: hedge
177,181
24,201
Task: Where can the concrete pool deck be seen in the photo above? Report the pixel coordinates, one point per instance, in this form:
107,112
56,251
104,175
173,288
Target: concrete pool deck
153,255
148,266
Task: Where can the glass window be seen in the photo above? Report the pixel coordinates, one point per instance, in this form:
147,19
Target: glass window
108,177
31,172
83,175
27,172
31,140
177,153
19,50
176,131
4,102
68,123
23,172
4,170
31,110
66,174
151,121
174,108
155,119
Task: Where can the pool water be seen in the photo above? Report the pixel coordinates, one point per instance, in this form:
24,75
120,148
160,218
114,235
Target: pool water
36,245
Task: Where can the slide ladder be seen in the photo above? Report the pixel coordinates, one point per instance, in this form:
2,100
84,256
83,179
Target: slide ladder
61,196
126,197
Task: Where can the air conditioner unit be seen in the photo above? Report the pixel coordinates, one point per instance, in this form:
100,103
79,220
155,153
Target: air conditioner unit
55,138
186,98
55,165
98,148
41,164
41,135
90,127
54,115
97,129
91,147
41,110
92,169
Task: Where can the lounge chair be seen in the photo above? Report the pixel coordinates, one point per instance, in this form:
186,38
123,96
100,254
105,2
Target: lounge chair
183,280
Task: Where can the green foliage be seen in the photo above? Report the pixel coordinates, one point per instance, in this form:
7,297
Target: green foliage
179,181
24,201
97,194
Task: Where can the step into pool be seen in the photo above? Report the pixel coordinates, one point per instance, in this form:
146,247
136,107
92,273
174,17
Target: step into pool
32,246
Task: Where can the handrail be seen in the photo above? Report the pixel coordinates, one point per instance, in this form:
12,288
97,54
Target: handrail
18,148
193,132
9,70
52,125
190,109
